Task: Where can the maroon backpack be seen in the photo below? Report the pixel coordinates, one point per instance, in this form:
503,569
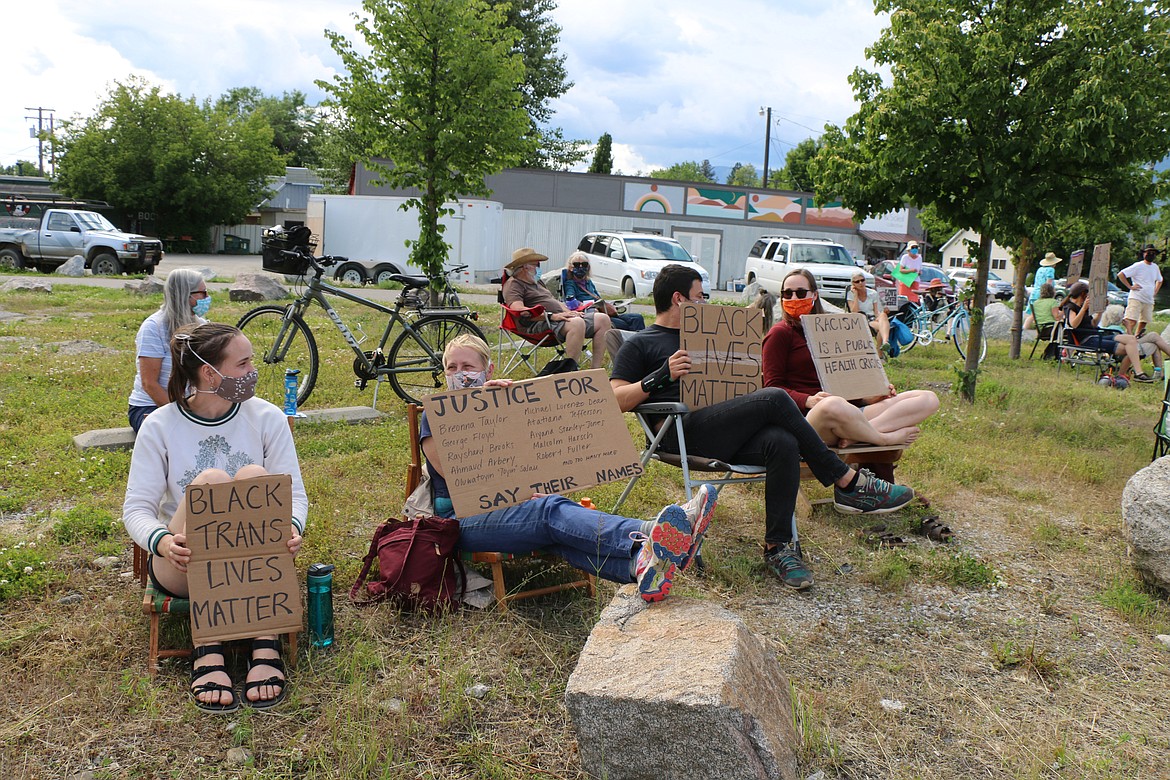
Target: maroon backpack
417,564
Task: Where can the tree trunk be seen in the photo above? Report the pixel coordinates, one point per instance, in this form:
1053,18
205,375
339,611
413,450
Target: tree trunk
970,370
1019,300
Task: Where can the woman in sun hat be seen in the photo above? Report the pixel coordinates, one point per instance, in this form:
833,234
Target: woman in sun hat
1045,273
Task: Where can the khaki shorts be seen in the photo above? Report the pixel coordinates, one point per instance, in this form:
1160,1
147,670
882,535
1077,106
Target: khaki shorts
1138,311
558,326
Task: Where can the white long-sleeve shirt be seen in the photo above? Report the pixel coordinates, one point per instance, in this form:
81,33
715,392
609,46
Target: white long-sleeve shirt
174,445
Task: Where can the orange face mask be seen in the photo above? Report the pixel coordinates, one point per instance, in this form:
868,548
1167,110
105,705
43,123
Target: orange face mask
798,307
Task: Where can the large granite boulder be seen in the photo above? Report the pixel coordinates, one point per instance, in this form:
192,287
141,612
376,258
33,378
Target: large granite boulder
150,285
26,285
257,287
74,266
997,321
1145,522
680,689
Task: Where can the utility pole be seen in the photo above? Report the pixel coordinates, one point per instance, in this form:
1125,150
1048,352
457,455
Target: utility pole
40,117
767,110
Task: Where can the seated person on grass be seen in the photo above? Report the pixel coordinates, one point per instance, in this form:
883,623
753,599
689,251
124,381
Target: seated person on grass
889,420
524,290
1083,328
763,428
861,299
620,549
213,430
579,287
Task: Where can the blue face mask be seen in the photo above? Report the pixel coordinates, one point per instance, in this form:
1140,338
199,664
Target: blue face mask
202,306
580,273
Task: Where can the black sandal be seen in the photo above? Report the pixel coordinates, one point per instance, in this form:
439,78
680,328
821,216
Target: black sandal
199,672
275,663
935,530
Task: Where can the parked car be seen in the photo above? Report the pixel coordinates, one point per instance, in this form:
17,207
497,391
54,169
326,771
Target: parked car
773,257
1115,294
883,279
627,263
997,287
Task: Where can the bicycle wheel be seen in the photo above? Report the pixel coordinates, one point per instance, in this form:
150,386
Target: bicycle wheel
297,349
960,331
417,370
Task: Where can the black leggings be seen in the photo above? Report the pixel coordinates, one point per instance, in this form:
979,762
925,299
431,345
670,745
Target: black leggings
765,428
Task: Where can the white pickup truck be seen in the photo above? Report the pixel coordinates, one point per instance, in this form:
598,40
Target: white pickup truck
774,257
63,233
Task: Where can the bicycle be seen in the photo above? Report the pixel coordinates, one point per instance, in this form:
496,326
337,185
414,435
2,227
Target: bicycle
283,340
448,297
954,318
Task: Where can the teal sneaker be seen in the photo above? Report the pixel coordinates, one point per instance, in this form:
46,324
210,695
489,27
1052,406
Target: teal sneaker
786,564
871,496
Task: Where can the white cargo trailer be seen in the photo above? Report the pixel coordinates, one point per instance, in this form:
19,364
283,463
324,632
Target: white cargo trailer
372,230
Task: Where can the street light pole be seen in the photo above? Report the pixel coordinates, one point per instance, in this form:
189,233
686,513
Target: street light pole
767,111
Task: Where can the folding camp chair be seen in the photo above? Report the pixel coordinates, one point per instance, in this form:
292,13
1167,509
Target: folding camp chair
1046,335
518,335
1075,354
495,560
1162,427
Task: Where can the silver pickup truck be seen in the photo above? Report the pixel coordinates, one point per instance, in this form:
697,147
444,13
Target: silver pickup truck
63,233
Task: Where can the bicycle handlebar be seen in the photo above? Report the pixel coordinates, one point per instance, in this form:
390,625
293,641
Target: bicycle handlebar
320,263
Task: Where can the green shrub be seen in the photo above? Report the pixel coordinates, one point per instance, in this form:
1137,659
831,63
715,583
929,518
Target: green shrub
23,571
84,523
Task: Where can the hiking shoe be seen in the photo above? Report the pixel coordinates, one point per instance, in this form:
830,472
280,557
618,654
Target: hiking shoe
885,349
1142,376
662,551
700,509
871,496
785,563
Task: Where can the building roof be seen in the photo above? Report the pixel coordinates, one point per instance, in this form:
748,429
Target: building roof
882,237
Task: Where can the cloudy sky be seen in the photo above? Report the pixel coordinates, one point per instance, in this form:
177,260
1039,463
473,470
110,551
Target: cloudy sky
670,80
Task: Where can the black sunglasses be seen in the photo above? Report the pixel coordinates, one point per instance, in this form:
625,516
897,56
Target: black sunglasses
580,265
802,293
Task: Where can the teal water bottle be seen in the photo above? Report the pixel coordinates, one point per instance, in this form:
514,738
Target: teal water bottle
321,604
291,380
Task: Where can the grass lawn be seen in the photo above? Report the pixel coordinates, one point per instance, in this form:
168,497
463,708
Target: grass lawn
1024,649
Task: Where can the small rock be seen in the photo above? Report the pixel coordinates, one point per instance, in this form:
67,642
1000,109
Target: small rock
892,705
395,706
239,756
86,775
1164,639
148,286
816,776
126,575
478,691
235,724
72,598
106,561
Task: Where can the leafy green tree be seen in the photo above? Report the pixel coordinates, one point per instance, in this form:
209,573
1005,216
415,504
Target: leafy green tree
144,150
545,79
293,122
796,175
743,175
1005,116
603,156
20,168
438,95
683,171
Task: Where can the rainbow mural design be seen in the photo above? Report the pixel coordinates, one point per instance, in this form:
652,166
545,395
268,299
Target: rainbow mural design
774,208
716,203
653,198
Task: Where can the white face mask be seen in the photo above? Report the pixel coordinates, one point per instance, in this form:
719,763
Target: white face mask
462,380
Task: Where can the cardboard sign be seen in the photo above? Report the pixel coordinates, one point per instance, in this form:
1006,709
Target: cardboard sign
1099,279
844,354
1075,262
499,445
241,577
725,346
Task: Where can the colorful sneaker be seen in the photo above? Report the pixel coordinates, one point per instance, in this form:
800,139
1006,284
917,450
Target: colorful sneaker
885,349
871,496
700,509
662,552
785,563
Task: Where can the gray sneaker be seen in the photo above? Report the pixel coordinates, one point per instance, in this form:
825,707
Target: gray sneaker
871,496
785,563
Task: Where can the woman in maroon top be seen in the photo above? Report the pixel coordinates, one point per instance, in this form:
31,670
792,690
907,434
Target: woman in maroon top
888,420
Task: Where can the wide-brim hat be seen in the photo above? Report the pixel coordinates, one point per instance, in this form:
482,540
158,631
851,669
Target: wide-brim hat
936,284
524,256
1151,248
1051,259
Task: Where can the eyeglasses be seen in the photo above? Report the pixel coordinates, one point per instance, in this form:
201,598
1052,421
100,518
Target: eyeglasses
580,265
200,294
859,281
801,293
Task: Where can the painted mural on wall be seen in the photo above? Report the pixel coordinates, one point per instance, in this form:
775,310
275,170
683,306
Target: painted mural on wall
715,203
831,214
653,198
773,208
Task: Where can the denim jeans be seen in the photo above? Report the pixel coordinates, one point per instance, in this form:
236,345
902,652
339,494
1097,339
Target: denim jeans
590,540
137,414
767,429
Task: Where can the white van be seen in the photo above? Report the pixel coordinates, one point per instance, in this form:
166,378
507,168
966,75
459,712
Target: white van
627,263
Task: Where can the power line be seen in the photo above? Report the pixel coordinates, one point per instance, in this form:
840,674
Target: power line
40,117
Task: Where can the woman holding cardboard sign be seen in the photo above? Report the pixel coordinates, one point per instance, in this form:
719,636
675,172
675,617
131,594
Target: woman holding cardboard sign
620,549
888,420
213,431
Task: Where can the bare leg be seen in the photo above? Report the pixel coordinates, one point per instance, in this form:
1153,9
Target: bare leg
837,421
574,338
601,326
905,410
882,326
